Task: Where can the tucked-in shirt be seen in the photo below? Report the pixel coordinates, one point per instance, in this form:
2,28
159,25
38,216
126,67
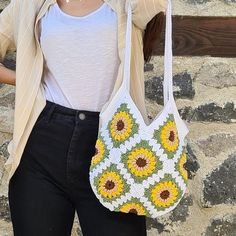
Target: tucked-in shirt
80,57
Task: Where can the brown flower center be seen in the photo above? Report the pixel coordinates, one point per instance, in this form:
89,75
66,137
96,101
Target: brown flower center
96,151
141,162
165,194
109,184
172,136
133,211
120,125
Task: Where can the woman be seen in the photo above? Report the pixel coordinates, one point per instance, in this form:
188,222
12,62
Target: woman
69,66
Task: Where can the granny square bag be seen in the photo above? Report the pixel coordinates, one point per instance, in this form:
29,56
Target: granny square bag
139,168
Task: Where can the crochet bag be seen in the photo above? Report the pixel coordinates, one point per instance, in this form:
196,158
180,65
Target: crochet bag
139,168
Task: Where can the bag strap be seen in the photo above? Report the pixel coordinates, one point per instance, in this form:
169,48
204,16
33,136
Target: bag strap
168,83
168,57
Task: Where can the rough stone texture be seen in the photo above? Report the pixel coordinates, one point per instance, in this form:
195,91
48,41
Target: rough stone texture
218,75
10,61
3,150
6,117
148,67
3,4
210,112
192,164
204,7
3,157
5,228
217,144
220,184
204,89
4,209
222,226
7,100
181,212
183,87
177,216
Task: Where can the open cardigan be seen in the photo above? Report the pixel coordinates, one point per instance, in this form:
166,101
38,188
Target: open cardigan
19,32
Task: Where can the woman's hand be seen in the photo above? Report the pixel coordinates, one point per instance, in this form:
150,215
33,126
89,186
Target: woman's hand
7,76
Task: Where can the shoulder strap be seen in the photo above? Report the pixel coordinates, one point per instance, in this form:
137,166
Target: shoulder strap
168,55
168,84
126,76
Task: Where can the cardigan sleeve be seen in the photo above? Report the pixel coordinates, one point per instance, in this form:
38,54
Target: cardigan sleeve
7,42
144,10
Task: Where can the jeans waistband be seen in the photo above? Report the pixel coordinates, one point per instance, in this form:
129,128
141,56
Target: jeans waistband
82,115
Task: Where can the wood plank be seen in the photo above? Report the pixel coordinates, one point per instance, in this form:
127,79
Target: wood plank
200,36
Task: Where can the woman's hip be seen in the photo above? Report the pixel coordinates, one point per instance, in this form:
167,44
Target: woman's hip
62,142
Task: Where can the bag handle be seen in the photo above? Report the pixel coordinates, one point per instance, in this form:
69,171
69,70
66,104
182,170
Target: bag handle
168,83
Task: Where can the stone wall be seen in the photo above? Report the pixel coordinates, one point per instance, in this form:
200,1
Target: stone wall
205,92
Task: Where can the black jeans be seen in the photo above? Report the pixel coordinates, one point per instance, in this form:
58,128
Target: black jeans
52,180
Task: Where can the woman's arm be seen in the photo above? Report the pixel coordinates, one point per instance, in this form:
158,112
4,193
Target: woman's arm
7,76
144,10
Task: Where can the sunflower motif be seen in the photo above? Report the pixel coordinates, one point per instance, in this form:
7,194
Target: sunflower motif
180,165
110,184
122,125
99,152
168,136
164,194
141,162
133,207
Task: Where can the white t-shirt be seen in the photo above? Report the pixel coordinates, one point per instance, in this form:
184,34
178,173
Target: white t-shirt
80,57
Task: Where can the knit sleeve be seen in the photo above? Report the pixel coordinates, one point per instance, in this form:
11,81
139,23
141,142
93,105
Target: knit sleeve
144,10
7,42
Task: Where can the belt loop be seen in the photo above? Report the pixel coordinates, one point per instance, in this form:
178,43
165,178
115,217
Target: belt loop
51,109
77,117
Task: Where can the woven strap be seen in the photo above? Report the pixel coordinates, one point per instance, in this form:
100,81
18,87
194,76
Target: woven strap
168,84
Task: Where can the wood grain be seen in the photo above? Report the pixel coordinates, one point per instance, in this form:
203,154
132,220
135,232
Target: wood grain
200,36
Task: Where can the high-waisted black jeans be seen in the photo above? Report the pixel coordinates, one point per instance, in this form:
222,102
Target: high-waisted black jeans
52,180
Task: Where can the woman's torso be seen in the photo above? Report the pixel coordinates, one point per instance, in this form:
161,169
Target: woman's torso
80,56
29,94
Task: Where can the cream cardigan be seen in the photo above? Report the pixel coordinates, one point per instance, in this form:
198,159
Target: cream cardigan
19,32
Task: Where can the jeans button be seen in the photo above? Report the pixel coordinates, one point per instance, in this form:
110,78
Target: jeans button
82,116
